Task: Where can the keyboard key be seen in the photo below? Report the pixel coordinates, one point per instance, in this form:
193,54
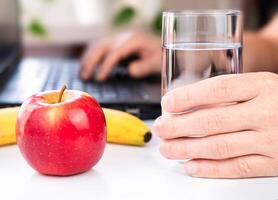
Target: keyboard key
107,96
77,85
93,91
64,77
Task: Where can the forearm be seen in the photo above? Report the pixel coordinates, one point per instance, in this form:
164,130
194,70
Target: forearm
260,51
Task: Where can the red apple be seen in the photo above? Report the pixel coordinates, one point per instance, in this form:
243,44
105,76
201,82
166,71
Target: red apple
61,137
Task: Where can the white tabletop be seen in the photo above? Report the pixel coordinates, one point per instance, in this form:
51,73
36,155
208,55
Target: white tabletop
125,173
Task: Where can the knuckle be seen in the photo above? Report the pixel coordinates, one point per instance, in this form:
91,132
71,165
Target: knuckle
220,148
221,89
210,123
269,80
270,117
204,125
267,141
184,150
242,168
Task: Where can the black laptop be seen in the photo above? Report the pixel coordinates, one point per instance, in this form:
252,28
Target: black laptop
20,78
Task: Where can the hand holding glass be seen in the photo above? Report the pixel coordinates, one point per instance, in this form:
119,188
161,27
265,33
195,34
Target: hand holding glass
200,44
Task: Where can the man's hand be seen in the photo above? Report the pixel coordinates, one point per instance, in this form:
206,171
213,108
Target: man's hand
107,53
229,128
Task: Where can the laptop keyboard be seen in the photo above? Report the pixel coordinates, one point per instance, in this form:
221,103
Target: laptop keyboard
63,72
34,75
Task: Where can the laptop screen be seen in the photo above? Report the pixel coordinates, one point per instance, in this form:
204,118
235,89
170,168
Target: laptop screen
9,33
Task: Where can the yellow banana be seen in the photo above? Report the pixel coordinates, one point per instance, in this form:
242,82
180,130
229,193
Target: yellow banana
125,128
122,128
7,125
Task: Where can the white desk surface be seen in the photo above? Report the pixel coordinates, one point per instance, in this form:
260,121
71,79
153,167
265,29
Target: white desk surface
125,173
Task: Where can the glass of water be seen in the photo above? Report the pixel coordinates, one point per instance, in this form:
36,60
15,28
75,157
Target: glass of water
198,44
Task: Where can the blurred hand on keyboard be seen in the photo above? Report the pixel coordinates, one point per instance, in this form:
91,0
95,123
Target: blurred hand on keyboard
103,56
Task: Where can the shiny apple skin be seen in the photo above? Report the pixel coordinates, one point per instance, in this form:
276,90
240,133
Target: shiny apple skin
61,139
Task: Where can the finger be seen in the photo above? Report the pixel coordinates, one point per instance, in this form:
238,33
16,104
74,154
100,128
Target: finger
129,47
214,147
219,89
240,167
142,68
91,58
210,121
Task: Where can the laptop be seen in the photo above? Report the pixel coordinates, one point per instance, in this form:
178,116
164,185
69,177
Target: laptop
22,77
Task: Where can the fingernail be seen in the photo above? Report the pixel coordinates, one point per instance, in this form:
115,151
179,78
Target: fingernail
166,103
190,168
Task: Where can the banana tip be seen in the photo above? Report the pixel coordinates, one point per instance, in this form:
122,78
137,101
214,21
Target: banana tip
147,137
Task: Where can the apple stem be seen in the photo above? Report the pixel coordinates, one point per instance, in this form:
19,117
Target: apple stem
61,93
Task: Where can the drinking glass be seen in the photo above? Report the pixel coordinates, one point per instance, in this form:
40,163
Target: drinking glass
199,44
